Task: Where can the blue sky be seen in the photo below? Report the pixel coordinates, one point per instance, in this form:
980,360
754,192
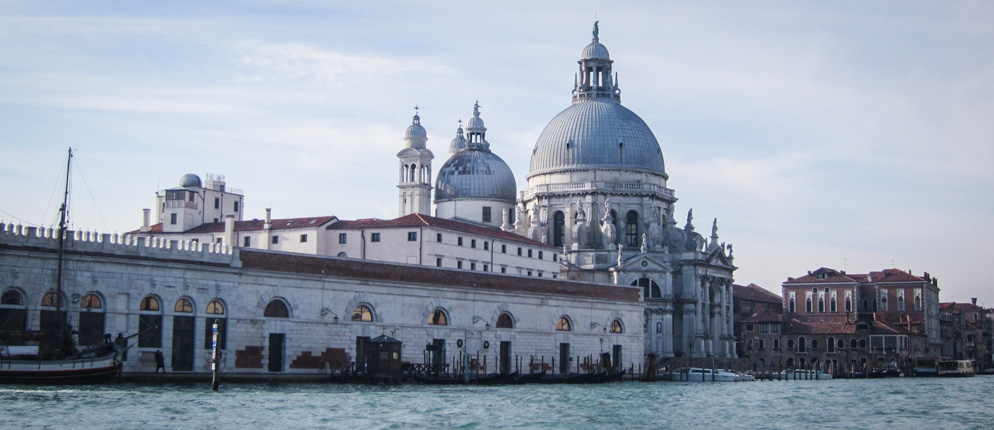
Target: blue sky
852,135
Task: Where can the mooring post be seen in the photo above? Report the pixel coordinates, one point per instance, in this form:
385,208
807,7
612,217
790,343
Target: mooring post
215,369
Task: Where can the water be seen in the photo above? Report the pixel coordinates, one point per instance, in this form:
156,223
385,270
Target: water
905,403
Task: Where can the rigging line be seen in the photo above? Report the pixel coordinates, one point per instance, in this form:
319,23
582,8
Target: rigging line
79,170
55,189
29,223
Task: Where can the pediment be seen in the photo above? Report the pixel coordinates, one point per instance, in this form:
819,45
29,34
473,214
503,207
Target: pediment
643,263
718,258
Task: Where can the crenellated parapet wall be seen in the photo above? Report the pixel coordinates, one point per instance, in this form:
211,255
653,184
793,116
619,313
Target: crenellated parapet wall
116,244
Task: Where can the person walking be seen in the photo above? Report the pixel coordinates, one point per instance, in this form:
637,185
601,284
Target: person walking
160,361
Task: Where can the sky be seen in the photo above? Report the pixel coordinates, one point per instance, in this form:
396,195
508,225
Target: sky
845,134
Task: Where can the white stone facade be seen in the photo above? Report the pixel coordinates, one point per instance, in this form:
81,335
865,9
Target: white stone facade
320,294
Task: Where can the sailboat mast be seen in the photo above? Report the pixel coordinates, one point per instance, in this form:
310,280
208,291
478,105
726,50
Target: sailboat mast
63,320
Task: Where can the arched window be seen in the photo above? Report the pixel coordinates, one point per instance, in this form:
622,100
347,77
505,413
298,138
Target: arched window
362,313
632,229
834,305
558,229
821,304
918,303
807,305
52,299
343,254
802,345
183,306
650,289
659,327
848,304
91,301
883,302
215,312
791,305
900,303
215,307
438,317
11,297
91,320
563,324
616,327
149,304
276,309
149,323
13,313
866,304
505,321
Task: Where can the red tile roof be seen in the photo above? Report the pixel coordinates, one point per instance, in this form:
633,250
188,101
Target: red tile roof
419,220
835,276
830,324
755,293
365,269
253,225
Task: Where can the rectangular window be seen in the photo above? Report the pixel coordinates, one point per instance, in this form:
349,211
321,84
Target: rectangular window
776,343
438,237
459,265
217,203
748,327
247,241
529,253
191,196
762,344
529,273
472,243
486,214
472,266
503,249
486,268
276,239
150,331
342,238
303,238
172,219
540,255
554,257
438,262
236,206
519,251
503,270
412,236
486,246
375,237
459,241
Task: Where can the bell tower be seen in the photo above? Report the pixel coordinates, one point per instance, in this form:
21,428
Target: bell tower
415,170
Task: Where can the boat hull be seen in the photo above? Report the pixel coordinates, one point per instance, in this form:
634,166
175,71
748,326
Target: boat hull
59,372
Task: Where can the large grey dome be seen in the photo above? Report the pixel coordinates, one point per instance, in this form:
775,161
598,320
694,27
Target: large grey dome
190,180
595,51
596,133
475,173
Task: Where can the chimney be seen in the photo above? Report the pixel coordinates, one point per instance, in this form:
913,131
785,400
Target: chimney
269,219
974,300
229,230
146,216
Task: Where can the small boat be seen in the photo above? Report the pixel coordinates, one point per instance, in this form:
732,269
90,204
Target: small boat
699,374
956,368
804,374
528,378
927,366
611,377
55,359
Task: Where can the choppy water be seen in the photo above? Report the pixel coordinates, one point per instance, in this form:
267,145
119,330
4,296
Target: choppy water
905,403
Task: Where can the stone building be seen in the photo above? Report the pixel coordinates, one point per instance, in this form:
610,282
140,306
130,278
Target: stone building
965,333
597,190
758,321
842,323
298,313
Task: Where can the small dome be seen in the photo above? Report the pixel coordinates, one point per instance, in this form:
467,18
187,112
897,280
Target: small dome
190,180
458,143
416,136
475,173
595,51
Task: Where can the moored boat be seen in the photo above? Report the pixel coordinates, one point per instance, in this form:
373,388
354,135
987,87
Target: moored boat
804,374
698,374
956,368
